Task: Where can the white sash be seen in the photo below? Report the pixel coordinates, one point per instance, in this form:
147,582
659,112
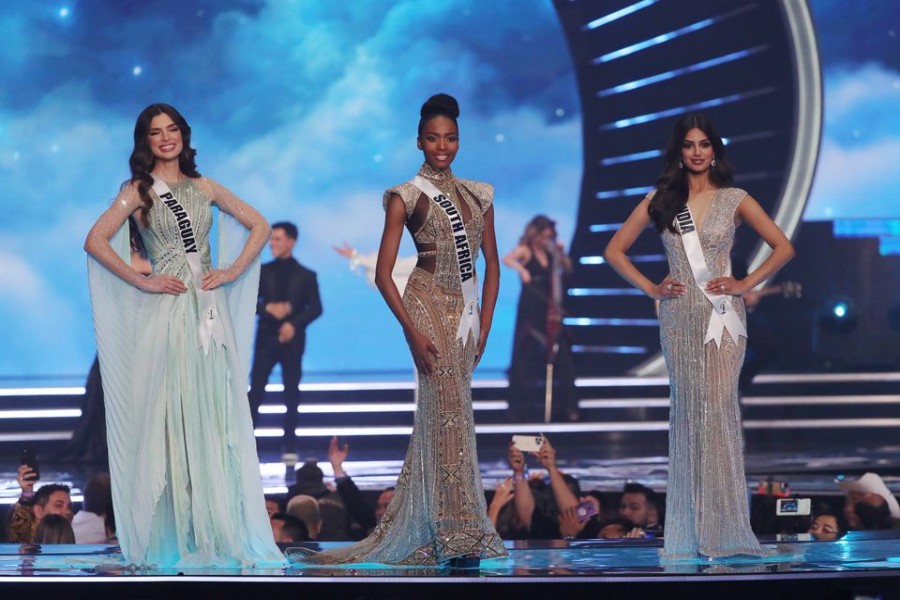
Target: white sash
210,322
723,315
469,320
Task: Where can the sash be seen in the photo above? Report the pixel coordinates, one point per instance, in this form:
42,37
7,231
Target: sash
210,322
469,320
723,315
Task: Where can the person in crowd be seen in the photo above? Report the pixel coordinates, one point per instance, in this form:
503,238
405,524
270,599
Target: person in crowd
361,512
173,347
288,302
287,528
869,504
618,528
336,521
275,504
451,219
54,529
500,500
538,506
702,321
90,523
827,526
539,338
640,505
306,509
32,506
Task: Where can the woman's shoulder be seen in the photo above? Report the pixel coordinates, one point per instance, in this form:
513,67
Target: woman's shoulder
483,191
407,191
479,188
733,195
207,186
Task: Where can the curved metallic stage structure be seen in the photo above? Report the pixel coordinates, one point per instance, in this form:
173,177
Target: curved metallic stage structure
751,66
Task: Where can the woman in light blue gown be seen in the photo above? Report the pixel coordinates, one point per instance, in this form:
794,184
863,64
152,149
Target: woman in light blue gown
174,354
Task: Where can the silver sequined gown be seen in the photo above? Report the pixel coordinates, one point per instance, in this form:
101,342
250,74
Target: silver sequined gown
706,499
438,510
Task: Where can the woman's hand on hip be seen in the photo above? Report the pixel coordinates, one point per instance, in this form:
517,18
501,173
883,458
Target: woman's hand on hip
162,284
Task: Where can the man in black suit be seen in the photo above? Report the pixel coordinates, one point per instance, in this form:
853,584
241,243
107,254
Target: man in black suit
288,302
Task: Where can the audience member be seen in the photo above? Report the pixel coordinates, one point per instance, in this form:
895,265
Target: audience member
827,526
54,529
641,506
361,512
538,506
336,521
306,508
288,528
869,504
90,523
32,506
275,504
618,528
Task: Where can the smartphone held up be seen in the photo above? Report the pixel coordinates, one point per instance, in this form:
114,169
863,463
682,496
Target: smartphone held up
29,458
528,443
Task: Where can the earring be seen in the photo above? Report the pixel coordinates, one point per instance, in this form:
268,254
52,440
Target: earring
713,163
680,165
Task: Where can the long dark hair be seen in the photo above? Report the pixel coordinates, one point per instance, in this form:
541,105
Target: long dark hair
142,160
672,185
439,105
535,227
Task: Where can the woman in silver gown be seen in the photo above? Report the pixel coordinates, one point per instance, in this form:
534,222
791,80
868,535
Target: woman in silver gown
438,514
703,334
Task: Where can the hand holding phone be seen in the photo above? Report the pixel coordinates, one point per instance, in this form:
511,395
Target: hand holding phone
29,459
528,443
585,511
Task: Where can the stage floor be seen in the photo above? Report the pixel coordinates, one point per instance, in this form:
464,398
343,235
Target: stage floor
868,559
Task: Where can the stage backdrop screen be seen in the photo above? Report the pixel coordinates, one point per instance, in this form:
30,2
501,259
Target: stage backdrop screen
308,111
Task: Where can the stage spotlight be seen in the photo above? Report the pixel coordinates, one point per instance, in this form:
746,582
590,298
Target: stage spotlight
839,317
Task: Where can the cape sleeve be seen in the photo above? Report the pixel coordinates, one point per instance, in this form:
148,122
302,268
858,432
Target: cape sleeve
242,293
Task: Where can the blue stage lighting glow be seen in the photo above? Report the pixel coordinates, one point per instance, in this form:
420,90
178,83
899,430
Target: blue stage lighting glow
889,246
623,12
654,41
587,322
637,191
664,114
665,37
600,227
64,12
605,292
706,64
839,310
611,349
599,260
617,160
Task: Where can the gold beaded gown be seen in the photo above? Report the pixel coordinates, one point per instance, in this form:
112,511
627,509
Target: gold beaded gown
706,500
438,511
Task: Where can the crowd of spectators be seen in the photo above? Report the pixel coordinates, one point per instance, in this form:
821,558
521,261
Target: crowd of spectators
536,503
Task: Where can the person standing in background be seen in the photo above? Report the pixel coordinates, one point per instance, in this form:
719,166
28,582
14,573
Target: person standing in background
288,302
540,339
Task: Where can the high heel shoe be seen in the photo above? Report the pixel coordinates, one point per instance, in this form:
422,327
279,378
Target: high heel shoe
466,564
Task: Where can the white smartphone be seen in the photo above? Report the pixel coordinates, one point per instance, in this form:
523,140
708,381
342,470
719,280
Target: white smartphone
528,443
792,507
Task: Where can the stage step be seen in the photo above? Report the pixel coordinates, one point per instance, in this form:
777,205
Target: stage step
616,411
